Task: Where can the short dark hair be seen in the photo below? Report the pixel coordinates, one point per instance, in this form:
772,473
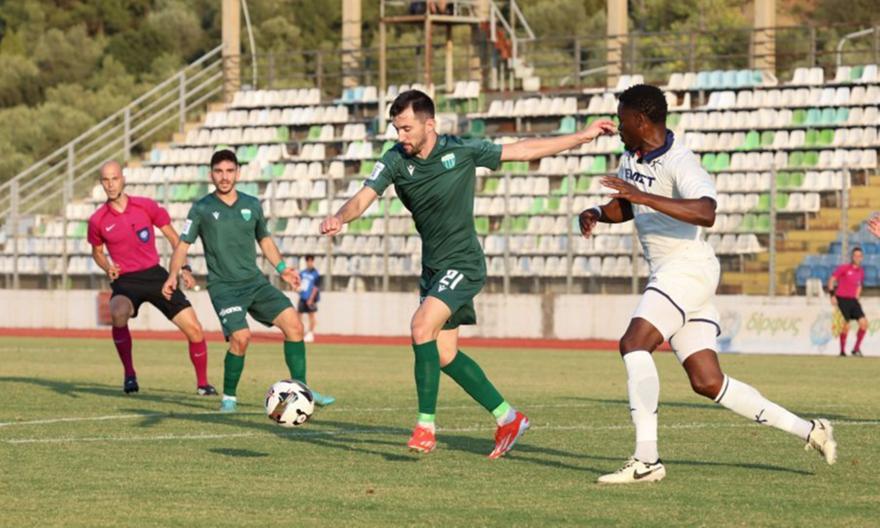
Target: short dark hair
646,99
420,102
224,155
310,257
857,248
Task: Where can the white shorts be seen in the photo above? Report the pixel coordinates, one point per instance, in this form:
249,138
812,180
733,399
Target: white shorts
678,303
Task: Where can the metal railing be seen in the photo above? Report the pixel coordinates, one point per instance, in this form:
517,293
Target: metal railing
48,185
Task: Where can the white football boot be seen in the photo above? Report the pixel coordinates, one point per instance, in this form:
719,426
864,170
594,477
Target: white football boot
635,471
822,440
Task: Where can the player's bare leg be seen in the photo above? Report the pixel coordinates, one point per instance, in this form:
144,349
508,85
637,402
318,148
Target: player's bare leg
291,326
188,323
121,310
643,388
708,380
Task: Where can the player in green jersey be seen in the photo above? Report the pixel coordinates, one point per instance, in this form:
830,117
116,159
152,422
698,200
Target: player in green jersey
228,222
434,176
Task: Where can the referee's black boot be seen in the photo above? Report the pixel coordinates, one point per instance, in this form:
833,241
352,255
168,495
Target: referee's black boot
130,385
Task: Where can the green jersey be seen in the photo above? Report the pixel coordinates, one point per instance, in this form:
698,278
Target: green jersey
228,233
439,192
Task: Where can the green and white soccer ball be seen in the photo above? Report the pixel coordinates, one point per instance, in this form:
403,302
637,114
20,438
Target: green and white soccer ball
289,403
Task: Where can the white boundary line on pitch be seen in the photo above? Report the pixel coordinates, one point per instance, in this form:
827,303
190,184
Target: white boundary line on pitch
110,417
380,430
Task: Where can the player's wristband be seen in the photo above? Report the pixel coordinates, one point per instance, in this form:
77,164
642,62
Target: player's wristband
187,267
280,267
598,211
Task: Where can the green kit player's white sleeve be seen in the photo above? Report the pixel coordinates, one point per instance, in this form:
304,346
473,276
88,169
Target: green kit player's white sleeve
383,173
190,231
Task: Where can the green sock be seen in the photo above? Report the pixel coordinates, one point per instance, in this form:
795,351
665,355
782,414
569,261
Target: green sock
465,371
427,373
295,357
232,367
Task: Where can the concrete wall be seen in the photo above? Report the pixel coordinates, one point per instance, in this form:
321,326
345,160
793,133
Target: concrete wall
788,325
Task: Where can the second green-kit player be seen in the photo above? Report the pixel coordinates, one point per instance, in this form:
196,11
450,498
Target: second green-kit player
228,222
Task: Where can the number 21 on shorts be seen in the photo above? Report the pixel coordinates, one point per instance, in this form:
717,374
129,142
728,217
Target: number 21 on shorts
450,280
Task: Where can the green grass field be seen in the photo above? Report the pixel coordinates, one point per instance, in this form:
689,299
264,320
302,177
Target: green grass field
76,451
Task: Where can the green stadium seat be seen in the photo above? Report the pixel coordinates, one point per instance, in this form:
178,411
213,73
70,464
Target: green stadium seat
388,145
396,207
762,224
521,224
672,120
812,138
841,115
583,185
539,206
282,134
752,141
708,161
855,73
826,137
314,133
481,223
782,201
767,138
811,158
599,166
563,186
553,204
721,162
366,168
782,180
814,117
568,125
799,117
763,203
491,186
827,117
748,224
313,208
795,159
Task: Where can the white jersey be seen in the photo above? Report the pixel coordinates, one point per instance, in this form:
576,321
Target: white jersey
672,171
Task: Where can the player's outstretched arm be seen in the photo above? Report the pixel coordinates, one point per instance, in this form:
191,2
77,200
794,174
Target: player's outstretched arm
696,211
100,258
178,259
614,212
532,149
353,208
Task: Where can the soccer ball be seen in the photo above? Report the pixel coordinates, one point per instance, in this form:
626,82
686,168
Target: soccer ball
289,403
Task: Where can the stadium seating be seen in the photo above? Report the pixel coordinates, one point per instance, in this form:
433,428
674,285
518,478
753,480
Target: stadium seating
303,155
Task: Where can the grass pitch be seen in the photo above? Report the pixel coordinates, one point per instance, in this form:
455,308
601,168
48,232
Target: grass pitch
76,451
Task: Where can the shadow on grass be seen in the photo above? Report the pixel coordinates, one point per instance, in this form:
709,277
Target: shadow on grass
75,390
242,453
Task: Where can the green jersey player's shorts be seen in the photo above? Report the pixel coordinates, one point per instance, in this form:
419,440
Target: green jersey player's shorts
456,289
233,302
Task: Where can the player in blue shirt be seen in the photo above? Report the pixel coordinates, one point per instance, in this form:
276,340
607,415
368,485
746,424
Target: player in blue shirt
309,295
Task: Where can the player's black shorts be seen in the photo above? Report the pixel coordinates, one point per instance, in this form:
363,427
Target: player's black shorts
146,286
303,307
850,308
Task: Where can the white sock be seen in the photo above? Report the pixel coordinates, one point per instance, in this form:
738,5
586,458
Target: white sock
746,401
427,425
643,388
228,397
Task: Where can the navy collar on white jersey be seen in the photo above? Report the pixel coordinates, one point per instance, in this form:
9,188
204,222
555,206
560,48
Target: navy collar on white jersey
656,153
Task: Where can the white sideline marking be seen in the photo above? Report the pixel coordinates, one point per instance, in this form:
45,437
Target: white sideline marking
335,410
387,430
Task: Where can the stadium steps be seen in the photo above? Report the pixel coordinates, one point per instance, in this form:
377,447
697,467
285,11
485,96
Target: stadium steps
824,228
